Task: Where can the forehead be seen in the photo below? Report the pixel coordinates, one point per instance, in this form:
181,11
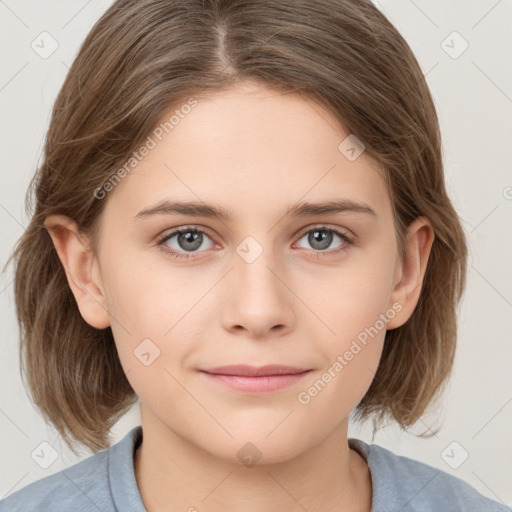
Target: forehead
250,150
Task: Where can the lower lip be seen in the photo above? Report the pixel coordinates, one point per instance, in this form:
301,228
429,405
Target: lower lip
260,384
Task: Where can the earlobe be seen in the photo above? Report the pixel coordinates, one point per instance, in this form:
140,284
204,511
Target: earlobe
81,267
411,270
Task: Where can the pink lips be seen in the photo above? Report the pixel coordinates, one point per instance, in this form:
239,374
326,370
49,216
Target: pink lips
256,379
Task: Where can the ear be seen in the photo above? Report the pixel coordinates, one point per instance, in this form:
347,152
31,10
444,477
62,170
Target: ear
410,271
81,267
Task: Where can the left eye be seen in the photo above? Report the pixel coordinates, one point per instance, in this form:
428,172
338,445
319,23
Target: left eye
320,238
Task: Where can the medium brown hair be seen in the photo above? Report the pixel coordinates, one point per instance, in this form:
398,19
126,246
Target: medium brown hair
145,56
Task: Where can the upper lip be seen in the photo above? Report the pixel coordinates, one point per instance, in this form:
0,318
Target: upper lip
255,371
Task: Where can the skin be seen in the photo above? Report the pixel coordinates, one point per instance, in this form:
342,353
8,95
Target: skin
255,152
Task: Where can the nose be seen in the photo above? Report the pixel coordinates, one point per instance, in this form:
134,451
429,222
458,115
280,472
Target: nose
257,299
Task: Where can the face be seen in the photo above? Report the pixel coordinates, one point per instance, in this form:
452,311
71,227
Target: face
267,283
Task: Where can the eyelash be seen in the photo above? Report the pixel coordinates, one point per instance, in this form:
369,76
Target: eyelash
178,255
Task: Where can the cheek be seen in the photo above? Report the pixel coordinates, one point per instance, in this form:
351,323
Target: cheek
352,298
158,318
336,390
148,300
356,307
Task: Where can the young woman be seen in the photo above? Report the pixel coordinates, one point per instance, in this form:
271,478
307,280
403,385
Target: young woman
241,221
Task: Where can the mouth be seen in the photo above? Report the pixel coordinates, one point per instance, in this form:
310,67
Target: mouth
255,379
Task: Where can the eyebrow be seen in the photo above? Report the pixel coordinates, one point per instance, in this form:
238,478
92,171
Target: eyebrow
200,209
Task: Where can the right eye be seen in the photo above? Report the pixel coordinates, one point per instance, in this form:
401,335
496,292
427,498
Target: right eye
187,241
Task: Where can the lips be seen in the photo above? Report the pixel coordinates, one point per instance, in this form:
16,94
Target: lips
255,379
244,370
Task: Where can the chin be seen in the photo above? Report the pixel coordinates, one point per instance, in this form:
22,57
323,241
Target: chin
250,451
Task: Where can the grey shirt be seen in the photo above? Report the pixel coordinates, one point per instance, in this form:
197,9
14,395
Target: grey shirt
106,482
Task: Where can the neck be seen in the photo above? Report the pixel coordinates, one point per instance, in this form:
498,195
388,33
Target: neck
174,474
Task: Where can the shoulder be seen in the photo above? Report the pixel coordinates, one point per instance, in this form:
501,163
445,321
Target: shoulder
99,482
83,486
402,483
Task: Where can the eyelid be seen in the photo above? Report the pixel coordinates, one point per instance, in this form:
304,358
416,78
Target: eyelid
187,227
300,233
326,227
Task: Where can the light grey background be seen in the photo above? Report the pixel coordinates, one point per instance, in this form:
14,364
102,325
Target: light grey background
473,94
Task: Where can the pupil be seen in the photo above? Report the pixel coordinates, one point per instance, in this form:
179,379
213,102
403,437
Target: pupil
193,239
317,237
